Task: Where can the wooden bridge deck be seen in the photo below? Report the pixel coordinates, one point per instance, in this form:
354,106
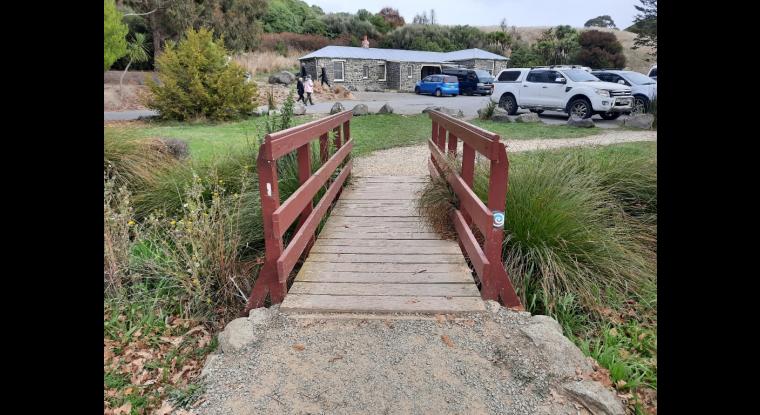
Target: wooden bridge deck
376,255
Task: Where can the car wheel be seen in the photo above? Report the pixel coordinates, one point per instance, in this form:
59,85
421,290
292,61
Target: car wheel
417,90
508,103
640,105
537,111
453,95
610,115
438,92
581,108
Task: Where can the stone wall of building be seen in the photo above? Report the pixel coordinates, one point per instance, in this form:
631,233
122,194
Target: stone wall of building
485,64
394,73
353,77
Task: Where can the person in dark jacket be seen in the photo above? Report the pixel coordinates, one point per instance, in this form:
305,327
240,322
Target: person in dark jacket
303,70
299,88
323,77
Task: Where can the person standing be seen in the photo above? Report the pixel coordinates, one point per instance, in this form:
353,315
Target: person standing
303,70
323,77
309,88
299,88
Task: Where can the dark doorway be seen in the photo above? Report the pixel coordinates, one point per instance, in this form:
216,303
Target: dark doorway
429,70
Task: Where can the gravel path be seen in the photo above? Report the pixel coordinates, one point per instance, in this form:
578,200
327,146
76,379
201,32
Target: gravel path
412,161
498,362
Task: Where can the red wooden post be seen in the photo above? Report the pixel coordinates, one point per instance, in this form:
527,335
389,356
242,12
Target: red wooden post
304,172
337,138
441,138
324,153
434,137
468,171
453,145
268,282
499,283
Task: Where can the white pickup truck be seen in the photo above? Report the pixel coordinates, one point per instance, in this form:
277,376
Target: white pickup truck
559,88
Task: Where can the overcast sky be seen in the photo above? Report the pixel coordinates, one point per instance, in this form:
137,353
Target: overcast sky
490,12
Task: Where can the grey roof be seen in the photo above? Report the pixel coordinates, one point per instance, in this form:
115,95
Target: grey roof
400,55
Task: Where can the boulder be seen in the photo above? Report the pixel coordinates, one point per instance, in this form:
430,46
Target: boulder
336,108
386,109
574,121
529,117
261,110
643,121
177,148
445,110
501,115
563,357
260,316
493,306
299,109
237,335
360,109
595,397
284,77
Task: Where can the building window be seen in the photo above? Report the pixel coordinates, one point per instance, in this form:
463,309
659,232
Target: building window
338,70
381,73
409,71
365,74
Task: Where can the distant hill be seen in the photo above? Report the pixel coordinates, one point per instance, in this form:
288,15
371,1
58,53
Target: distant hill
637,60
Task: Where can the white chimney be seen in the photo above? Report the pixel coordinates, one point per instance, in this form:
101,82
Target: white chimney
365,42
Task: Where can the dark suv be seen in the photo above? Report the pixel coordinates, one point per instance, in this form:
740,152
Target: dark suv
472,81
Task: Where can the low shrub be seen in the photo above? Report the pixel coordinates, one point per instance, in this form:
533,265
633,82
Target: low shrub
486,112
299,42
197,81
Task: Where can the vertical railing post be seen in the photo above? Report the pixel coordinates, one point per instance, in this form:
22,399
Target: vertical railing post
304,172
468,171
452,144
441,138
324,153
268,282
338,143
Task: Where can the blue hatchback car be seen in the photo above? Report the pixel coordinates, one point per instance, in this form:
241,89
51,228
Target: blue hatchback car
438,85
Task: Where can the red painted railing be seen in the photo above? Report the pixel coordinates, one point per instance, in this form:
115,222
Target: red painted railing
488,219
278,217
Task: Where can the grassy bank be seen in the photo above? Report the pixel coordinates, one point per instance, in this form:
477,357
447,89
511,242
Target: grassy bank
580,245
374,132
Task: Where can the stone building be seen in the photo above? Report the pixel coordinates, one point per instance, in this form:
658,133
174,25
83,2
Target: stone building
374,69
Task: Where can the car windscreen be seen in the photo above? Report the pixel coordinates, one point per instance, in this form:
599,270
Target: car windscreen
653,72
639,79
579,75
484,76
450,79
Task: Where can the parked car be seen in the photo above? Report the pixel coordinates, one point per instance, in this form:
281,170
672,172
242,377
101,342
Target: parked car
560,88
644,88
653,72
472,81
438,85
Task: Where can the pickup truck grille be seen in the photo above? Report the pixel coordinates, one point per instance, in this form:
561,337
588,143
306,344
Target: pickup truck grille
620,93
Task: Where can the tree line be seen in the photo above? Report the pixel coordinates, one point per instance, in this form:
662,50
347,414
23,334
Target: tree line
241,23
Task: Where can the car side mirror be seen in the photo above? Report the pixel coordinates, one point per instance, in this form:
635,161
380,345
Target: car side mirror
560,80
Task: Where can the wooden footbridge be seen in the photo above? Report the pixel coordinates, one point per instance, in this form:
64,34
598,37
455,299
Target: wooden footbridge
375,254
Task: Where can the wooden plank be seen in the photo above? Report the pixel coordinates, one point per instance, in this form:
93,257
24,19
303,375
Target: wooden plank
377,196
401,243
387,277
295,248
389,258
451,249
374,221
381,236
284,216
470,244
310,266
379,229
370,212
428,290
390,179
384,304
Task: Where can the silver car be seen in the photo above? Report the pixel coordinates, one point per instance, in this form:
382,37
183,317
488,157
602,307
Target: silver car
643,88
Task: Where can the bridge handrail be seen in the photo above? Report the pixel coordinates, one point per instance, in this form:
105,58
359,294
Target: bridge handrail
278,217
487,217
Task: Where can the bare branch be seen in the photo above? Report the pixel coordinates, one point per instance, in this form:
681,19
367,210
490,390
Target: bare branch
140,14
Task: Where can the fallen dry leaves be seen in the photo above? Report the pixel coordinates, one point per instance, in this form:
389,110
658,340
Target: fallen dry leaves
152,362
299,347
446,339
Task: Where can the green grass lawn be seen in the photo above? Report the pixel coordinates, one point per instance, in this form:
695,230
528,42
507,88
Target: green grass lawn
374,132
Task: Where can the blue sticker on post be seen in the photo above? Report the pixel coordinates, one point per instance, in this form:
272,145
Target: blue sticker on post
498,219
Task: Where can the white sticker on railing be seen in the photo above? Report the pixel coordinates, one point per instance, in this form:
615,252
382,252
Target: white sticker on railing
498,219
269,189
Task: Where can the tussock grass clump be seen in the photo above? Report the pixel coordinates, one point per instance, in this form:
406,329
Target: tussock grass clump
486,112
437,201
136,163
